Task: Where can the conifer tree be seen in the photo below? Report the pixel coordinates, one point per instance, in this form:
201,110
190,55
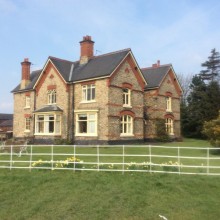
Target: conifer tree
212,71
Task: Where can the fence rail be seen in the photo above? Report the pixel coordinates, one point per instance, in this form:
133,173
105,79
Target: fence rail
120,158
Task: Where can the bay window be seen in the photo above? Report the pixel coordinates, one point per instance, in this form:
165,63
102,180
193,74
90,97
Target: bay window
48,124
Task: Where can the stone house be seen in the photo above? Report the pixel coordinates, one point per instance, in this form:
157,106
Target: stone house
97,99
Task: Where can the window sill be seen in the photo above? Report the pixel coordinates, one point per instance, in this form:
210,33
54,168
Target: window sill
46,134
27,107
83,102
169,110
127,106
86,135
27,131
126,135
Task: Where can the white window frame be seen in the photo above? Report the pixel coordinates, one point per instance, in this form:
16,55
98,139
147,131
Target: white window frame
126,125
88,93
168,104
27,101
126,97
46,122
51,97
169,126
27,124
88,121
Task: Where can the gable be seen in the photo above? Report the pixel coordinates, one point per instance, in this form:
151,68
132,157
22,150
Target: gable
128,72
170,84
51,76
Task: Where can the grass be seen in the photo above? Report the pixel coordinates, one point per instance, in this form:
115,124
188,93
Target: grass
137,154
100,195
46,194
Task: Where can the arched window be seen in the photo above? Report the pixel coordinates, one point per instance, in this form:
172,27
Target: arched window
51,94
126,125
169,126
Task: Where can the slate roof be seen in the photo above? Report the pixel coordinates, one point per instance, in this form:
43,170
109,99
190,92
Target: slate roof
6,116
98,66
7,123
49,108
155,75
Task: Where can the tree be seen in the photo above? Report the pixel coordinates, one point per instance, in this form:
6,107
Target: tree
192,120
203,104
212,66
212,130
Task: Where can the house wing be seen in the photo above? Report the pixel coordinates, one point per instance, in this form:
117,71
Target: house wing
154,76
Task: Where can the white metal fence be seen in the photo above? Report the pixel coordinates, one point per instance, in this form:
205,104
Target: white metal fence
121,158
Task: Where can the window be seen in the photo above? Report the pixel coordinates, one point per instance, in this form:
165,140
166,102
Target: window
169,104
126,125
169,126
126,97
48,124
86,124
27,101
27,124
88,93
51,94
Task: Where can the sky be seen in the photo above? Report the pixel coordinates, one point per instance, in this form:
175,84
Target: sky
180,32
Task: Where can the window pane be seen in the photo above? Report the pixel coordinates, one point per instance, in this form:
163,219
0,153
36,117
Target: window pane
82,126
91,127
82,117
92,116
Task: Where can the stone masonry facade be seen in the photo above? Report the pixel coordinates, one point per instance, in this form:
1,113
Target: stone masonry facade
107,107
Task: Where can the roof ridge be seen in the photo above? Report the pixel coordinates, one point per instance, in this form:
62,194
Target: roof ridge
151,67
114,52
56,58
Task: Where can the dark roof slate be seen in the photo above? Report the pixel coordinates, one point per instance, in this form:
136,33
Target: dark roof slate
7,123
155,75
6,116
49,108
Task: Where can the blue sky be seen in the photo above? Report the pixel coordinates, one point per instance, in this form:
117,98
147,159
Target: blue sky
181,32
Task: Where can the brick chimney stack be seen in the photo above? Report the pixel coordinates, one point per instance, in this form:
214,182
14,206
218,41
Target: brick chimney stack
25,73
155,65
86,52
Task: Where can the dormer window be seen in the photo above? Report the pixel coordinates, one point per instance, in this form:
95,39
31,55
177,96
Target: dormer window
126,97
51,94
88,93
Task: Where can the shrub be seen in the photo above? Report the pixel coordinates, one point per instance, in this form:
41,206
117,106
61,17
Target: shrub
161,130
212,130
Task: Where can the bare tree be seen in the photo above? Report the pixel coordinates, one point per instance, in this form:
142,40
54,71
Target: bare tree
185,81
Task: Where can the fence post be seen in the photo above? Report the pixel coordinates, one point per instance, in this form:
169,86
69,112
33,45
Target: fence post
207,161
179,159
30,159
150,156
11,158
98,157
52,157
74,154
123,160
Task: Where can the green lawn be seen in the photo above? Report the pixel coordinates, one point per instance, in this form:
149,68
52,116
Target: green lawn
85,195
62,194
